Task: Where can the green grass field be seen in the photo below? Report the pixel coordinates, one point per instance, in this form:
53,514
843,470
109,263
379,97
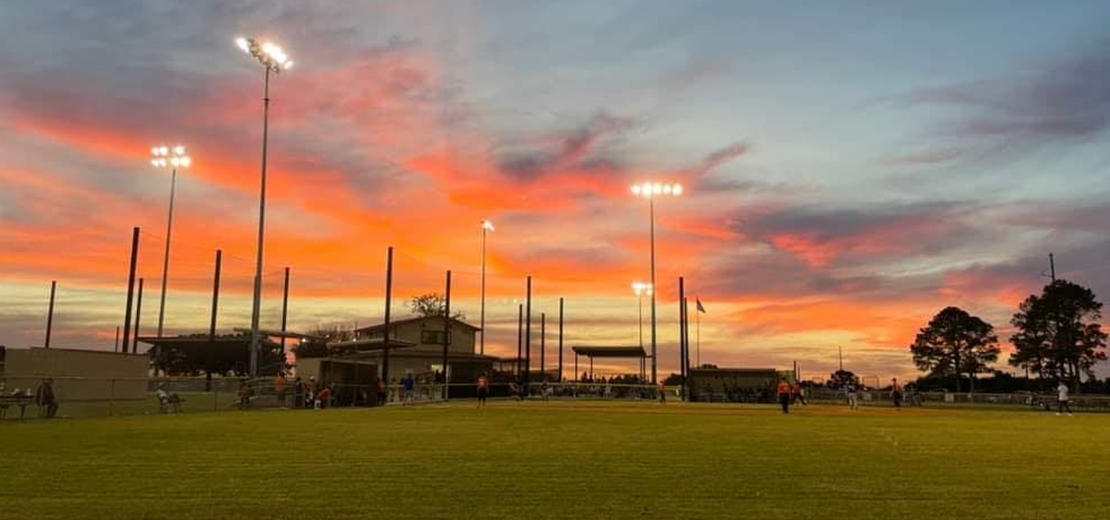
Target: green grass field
560,460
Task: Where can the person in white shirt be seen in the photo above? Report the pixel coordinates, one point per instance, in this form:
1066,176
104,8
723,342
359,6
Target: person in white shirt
1062,399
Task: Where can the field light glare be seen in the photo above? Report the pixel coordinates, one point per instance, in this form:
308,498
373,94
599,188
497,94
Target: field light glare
268,53
651,189
487,225
163,157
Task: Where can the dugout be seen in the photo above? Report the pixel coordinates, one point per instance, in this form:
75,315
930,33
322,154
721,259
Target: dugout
608,352
733,385
78,374
352,381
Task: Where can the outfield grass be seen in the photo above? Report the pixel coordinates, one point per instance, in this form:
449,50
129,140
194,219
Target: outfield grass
560,460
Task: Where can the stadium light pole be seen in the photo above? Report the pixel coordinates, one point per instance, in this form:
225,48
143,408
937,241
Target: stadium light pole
487,227
274,60
173,158
641,288
649,191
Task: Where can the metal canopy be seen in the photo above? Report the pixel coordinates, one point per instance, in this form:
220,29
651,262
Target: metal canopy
609,351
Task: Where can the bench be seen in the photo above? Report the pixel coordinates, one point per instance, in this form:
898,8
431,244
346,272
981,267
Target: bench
20,400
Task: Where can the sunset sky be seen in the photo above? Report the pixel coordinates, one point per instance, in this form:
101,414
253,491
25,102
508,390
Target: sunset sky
849,168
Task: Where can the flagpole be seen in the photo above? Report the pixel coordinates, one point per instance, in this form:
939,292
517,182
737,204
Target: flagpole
698,329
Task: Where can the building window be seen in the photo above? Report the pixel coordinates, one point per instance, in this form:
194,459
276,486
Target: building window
433,337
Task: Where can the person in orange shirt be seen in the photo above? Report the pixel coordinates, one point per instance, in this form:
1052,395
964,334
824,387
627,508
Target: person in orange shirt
798,394
483,390
279,387
784,391
896,393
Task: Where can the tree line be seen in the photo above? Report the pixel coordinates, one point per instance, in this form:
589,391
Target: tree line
1057,337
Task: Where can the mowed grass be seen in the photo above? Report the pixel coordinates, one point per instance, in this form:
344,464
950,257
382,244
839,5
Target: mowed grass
560,460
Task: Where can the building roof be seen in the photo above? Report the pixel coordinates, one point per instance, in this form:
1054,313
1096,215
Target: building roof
365,345
189,340
609,351
436,319
737,371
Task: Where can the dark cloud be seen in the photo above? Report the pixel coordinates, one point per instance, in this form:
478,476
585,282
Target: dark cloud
1063,103
581,148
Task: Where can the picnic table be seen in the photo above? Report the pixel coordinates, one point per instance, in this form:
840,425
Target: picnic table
21,400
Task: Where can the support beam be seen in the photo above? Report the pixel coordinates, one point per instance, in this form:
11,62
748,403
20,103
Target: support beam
138,315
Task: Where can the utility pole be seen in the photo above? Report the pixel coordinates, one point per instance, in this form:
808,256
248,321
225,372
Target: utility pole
840,353
543,344
1052,267
561,340
528,337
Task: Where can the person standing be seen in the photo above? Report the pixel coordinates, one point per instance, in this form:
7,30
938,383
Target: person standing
1062,399
409,384
310,392
784,392
44,398
279,388
383,393
298,392
853,396
483,390
798,393
896,393
661,389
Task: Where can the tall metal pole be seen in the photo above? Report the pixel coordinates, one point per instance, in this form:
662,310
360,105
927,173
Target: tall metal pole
116,349
686,348
1052,266
215,296
50,314
519,338
388,302
284,307
681,328
257,306
543,341
654,359
560,340
446,331
528,337
138,314
697,324
166,258
640,297
212,323
130,289
483,312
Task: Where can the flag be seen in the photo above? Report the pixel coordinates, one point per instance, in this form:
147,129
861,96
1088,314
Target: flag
701,308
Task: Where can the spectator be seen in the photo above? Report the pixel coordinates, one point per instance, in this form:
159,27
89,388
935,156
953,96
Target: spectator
323,397
244,393
382,392
44,398
298,392
310,392
661,389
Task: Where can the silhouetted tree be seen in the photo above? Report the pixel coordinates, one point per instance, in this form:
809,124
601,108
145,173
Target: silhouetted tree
1059,335
840,378
955,342
432,304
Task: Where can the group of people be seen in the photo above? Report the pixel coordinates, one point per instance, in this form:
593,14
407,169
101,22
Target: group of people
790,394
306,394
